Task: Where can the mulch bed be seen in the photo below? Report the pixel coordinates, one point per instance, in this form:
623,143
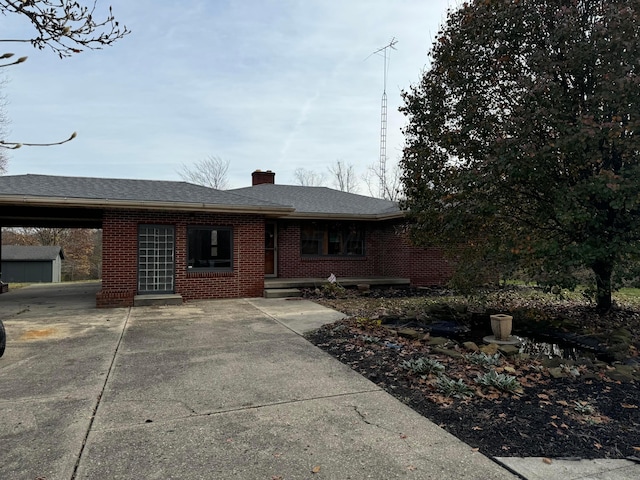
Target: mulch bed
589,411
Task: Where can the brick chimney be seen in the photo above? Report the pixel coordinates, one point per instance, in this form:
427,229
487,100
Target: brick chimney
259,177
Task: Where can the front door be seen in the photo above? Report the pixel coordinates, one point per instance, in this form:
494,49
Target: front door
156,259
270,249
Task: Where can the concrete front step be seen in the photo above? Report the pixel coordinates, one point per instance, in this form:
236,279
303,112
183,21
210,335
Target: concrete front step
160,299
281,292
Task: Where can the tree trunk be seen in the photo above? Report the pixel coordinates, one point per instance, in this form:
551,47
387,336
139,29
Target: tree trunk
603,270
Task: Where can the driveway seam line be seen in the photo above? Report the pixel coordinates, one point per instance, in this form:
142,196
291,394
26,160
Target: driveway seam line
275,319
287,402
251,407
99,399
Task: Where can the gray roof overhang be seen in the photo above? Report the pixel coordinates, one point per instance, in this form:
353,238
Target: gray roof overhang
25,210
344,216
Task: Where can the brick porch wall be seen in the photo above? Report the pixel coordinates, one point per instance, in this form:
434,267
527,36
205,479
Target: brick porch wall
425,267
388,253
120,256
291,264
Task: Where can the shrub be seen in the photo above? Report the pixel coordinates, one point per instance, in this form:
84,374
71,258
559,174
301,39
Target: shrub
333,290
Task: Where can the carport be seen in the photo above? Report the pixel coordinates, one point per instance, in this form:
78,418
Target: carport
22,213
150,232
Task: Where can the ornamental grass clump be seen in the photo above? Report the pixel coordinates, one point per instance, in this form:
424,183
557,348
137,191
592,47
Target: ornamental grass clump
422,365
501,381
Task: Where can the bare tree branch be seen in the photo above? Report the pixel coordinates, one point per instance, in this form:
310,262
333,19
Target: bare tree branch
389,188
210,172
309,178
65,26
344,176
16,145
9,55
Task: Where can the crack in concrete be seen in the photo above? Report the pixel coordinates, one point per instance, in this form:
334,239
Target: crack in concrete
364,417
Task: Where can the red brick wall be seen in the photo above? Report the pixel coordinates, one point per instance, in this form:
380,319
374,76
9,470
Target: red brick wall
291,264
388,253
423,266
120,256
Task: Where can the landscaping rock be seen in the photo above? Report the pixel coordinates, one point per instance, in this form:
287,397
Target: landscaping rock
448,352
386,319
622,334
434,341
552,362
472,346
624,373
558,372
509,350
490,349
619,352
410,333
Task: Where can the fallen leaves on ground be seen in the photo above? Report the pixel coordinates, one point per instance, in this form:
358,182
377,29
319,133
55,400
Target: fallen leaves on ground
587,416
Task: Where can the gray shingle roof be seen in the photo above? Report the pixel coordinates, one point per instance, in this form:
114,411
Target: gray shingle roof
30,253
308,202
110,189
322,201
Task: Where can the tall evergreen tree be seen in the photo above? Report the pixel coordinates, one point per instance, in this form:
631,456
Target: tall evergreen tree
523,137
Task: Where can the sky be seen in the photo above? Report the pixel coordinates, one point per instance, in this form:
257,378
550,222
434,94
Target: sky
265,84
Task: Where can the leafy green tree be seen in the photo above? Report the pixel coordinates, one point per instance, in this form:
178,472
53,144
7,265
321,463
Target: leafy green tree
523,137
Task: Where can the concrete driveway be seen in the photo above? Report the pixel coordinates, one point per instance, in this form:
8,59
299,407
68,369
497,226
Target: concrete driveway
210,389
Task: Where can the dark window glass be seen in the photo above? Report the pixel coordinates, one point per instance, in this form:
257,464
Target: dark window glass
210,248
331,239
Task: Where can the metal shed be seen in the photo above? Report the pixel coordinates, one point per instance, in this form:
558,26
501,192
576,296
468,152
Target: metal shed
32,264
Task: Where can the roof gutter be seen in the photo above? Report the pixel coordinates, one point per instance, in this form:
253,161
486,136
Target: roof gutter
142,205
343,216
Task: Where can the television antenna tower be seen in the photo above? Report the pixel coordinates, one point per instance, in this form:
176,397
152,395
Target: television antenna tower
382,166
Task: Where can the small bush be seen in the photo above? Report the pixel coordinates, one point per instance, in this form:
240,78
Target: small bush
333,290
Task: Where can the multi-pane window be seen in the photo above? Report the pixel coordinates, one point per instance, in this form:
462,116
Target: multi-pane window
331,239
210,248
